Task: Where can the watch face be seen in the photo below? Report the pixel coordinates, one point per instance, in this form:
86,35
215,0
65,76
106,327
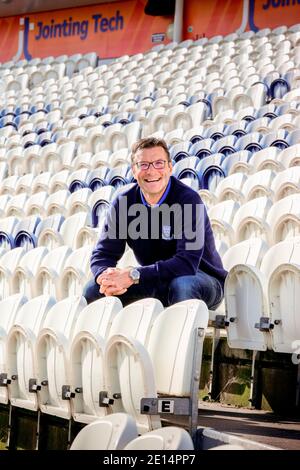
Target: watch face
135,274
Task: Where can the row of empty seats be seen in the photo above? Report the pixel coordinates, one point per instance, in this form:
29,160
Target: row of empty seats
76,220
71,360
59,271
261,296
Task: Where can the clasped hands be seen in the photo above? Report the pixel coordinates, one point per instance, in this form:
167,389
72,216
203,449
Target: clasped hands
114,281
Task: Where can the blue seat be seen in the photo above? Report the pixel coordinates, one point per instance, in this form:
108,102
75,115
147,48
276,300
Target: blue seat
211,171
202,149
187,169
180,151
197,97
7,227
35,109
248,114
217,132
45,138
42,127
194,135
119,176
83,113
226,145
25,232
19,110
3,112
100,205
98,178
122,118
29,139
8,120
237,128
278,88
99,111
275,139
208,106
268,110
249,142
78,179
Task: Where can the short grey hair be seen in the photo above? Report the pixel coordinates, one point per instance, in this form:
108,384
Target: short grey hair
148,143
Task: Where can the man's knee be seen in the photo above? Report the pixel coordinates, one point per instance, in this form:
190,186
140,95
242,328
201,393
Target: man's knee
200,286
181,288
91,292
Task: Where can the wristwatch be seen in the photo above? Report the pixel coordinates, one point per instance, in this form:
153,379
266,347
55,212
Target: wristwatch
135,275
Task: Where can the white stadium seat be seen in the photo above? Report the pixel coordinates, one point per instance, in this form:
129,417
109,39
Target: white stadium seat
9,309
87,355
20,349
167,438
52,356
111,432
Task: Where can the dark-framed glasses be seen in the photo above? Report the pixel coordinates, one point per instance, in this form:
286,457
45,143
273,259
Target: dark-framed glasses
158,165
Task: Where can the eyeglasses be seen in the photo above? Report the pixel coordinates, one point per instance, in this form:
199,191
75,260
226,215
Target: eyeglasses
158,165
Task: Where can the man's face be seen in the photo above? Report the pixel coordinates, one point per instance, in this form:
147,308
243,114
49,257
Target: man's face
152,181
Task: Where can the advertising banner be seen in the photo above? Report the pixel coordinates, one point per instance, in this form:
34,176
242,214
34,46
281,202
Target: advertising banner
114,29
273,13
213,17
110,29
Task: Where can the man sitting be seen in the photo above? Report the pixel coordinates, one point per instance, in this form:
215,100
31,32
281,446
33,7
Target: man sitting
166,225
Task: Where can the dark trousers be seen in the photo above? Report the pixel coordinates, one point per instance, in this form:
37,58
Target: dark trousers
200,286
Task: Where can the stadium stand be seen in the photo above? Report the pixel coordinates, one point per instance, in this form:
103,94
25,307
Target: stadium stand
228,108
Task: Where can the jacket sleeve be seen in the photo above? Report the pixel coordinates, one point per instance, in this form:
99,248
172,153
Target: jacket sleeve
110,246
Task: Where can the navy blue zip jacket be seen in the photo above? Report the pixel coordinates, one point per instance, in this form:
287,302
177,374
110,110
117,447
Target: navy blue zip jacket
171,239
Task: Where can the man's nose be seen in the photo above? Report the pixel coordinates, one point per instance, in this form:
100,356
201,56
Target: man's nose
151,168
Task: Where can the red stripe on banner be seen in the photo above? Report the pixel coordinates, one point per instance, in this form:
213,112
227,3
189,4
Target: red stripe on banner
212,17
9,38
216,17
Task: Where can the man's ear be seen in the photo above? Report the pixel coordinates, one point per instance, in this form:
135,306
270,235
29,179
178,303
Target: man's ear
133,168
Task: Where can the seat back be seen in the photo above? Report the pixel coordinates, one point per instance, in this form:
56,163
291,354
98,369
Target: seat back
9,308
284,218
112,432
86,356
8,263
52,352
23,278
174,333
244,294
284,294
76,272
128,369
47,280
167,438
250,220
20,350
